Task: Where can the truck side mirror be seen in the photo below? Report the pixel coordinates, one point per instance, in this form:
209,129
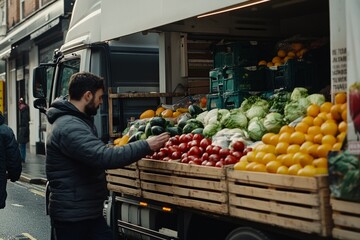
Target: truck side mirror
40,104
40,79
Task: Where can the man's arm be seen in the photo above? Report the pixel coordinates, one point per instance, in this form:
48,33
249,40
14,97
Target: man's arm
13,158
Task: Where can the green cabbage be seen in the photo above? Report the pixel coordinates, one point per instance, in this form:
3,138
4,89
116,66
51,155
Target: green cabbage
256,129
296,109
210,114
234,119
298,93
273,122
256,111
211,129
316,98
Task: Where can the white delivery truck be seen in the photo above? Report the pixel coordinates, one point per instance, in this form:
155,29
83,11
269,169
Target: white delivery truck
145,51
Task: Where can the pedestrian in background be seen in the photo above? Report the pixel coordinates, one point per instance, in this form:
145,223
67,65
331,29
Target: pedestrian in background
24,132
76,160
10,160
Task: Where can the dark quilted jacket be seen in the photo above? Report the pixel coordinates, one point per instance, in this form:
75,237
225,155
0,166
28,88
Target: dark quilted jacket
76,160
10,160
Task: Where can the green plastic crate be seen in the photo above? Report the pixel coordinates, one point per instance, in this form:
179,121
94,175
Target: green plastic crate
214,101
234,99
216,80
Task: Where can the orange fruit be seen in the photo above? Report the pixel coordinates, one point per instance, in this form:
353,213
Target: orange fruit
243,159
302,158
313,110
301,127
280,157
342,127
286,128
337,146
281,147
159,110
176,114
273,166
259,167
323,115
309,138
296,46
318,138
312,150
293,169
325,107
336,112
308,120
259,156
341,137
291,54
283,170
274,139
340,98
276,59
285,137
293,148
344,115
269,64
268,157
262,63
305,146
307,171
268,148
323,150
266,138
281,53
318,121
314,130
322,171
329,139
329,127
250,156
297,138
250,166
320,162
240,166
287,159
343,107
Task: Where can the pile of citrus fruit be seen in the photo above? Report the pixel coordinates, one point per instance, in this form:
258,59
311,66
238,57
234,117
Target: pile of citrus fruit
301,149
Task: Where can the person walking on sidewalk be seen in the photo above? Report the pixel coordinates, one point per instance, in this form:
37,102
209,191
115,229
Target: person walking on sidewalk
76,161
24,132
10,160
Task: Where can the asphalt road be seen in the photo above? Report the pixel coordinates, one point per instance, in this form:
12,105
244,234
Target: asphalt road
24,216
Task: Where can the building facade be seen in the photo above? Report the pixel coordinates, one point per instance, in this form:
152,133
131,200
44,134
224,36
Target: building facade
29,33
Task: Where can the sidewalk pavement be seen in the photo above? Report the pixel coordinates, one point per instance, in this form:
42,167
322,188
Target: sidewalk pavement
33,170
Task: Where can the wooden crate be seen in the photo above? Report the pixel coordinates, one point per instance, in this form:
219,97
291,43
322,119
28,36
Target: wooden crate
293,202
346,217
124,180
186,185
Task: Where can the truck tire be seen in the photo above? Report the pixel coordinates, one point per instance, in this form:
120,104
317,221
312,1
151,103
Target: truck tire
246,233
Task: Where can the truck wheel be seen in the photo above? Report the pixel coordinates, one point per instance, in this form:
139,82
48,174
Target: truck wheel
246,233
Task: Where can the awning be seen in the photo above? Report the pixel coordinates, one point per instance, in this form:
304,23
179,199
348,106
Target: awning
38,21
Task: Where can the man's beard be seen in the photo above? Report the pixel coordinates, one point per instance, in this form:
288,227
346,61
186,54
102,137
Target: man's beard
90,108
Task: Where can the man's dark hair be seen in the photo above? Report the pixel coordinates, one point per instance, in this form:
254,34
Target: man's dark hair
82,82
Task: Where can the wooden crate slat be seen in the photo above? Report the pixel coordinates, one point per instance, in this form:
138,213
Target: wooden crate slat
274,180
273,194
346,220
123,172
190,203
182,181
123,181
276,207
291,223
181,192
125,190
345,206
180,168
344,234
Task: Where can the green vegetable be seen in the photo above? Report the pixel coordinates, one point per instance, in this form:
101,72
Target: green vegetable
316,98
298,93
198,130
256,129
136,136
278,101
234,119
142,128
157,121
256,111
201,116
211,129
296,109
174,131
248,102
222,113
148,130
156,130
212,113
273,122
194,110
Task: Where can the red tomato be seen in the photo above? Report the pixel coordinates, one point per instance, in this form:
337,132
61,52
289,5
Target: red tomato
183,147
164,150
216,149
184,160
195,161
194,151
184,155
237,154
193,143
198,136
208,149
155,155
205,142
175,155
184,138
238,146
246,150
230,159
204,162
190,135
174,140
166,159
205,156
161,155
214,157
219,164
224,152
210,164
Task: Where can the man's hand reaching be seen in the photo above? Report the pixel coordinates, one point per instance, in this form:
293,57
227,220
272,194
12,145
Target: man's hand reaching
157,142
